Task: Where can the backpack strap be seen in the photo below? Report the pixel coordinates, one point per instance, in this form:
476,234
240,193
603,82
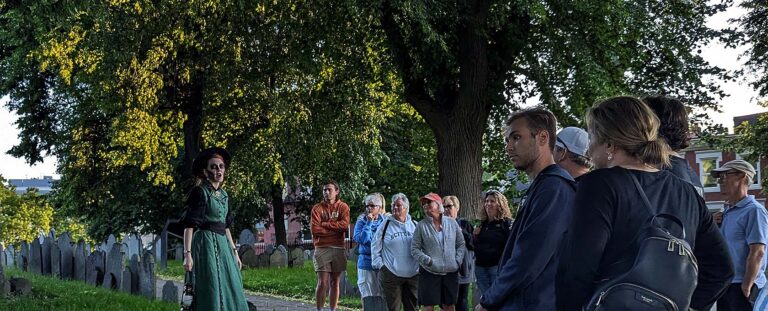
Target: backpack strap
384,232
647,204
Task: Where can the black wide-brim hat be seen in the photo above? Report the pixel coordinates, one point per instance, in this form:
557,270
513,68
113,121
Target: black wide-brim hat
202,158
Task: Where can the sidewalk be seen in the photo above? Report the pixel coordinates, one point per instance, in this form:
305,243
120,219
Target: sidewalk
262,303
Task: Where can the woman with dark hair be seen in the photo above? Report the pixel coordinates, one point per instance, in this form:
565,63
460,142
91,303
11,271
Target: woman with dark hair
209,251
609,211
673,128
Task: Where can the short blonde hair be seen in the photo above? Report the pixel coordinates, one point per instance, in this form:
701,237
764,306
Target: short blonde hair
501,201
454,200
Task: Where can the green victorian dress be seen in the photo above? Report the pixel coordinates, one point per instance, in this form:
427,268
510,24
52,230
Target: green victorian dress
218,284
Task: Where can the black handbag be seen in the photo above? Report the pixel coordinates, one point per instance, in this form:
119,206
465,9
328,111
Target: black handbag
663,275
188,294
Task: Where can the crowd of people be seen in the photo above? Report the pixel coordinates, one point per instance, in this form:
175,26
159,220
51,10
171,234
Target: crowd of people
613,219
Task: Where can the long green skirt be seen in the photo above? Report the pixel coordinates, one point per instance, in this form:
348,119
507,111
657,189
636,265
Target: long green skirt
218,284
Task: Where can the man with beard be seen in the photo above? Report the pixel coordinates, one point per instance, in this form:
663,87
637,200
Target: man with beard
526,276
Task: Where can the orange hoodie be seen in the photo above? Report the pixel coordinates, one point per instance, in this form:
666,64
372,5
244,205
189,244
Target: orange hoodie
329,223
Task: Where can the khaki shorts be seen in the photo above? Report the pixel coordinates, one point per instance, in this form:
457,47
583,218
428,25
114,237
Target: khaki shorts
327,259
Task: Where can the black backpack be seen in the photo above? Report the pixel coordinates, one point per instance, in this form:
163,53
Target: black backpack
664,273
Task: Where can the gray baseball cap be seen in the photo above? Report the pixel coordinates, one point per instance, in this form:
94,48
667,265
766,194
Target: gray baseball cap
739,165
574,140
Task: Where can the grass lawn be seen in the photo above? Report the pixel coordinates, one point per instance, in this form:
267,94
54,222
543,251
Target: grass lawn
53,294
295,283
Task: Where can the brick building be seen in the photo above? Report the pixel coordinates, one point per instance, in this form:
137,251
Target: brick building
703,159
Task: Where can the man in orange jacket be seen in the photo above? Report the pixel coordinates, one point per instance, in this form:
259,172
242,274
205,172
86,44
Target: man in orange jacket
330,220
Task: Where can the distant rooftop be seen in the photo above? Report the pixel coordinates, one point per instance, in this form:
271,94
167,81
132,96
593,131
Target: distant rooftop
43,186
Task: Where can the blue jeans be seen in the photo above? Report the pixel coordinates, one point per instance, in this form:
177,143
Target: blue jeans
485,277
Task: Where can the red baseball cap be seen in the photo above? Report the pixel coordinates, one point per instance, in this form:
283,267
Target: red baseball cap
431,197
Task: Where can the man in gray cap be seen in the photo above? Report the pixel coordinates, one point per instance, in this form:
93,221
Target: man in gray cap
571,151
745,228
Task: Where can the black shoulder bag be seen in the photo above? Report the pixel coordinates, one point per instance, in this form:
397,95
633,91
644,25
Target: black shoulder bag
664,273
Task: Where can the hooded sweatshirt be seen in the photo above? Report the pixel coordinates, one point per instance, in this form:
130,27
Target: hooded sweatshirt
392,249
438,256
364,231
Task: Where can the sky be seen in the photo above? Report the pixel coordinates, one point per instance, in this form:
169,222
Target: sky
742,101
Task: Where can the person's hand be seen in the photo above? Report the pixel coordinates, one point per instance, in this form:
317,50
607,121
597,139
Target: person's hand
480,308
369,216
238,262
188,262
477,231
746,289
718,217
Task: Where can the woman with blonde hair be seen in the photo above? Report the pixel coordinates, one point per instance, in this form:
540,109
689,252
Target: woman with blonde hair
610,211
452,206
490,236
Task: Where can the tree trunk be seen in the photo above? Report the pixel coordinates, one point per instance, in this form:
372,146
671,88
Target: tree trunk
459,155
193,125
278,214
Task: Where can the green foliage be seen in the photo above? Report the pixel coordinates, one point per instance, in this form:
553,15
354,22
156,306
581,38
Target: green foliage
53,294
24,217
752,31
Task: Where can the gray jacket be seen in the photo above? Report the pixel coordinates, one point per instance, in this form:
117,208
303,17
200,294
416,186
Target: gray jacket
433,256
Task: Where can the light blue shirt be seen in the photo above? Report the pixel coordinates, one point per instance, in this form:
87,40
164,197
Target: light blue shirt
745,223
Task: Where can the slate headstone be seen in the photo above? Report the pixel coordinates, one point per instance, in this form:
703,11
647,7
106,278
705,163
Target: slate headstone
346,288
308,255
178,253
2,255
269,249
20,286
35,257
10,256
170,292
22,256
278,259
79,265
3,290
296,258
66,256
94,268
147,276
125,285
246,238
243,249
134,246
133,268
263,260
52,234
47,243
250,259
113,267
55,261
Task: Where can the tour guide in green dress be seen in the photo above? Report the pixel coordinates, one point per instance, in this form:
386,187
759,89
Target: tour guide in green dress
218,284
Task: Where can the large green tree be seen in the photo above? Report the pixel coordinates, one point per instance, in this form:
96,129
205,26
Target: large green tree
459,61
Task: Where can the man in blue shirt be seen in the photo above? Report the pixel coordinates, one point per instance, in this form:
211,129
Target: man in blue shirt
745,228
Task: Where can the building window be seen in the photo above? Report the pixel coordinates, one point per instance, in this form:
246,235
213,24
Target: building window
709,161
758,177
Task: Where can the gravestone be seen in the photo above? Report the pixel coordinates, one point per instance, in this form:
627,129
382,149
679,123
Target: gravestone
125,285
269,249
308,255
3,290
178,253
250,259
94,268
107,245
79,265
278,259
47,243
52,234
113,267
133,268
10,256
263,260
170,292
55,261
296,258
246,238
243,249
347,289
35,259
66,256
147,276
2,255
20,286
134,246
22,256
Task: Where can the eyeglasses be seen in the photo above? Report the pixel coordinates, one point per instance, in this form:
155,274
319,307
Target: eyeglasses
722,176
448,206
372,206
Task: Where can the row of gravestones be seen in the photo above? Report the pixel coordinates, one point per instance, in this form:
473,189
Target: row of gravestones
104,267
278,256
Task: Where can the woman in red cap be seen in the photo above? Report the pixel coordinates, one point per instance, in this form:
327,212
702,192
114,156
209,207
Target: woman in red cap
210,251
438,247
